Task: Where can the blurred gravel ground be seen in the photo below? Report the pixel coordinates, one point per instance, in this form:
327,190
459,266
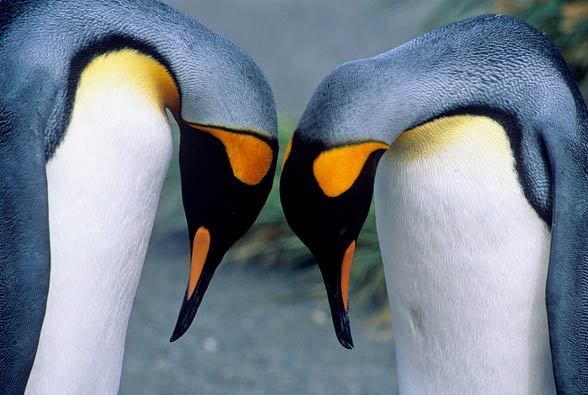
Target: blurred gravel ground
263,331
255,333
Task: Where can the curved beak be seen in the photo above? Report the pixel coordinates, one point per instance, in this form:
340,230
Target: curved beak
201,271
226,178
337,286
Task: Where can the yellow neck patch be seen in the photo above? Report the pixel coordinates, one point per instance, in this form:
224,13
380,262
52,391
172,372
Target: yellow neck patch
249,156
131,69
337,169
443,133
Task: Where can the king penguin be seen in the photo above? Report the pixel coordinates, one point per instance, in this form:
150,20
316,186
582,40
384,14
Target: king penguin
476,138
84,148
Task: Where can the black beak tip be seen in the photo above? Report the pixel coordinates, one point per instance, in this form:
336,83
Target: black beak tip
185,317
190,305
343,328
344,334
346,342
178,332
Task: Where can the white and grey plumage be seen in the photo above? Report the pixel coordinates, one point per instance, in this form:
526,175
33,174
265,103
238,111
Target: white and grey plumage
480,141
84,148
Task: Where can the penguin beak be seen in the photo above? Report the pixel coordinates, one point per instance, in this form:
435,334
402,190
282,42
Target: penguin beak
202,268
337,285
226,178
326,193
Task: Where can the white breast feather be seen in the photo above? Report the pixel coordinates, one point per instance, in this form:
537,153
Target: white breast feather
104,184
466,261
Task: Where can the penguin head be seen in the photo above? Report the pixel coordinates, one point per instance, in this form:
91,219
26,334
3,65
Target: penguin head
228,151
326,193
226,178
327,180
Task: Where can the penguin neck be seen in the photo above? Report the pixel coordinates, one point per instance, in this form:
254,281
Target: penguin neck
466,258
104,182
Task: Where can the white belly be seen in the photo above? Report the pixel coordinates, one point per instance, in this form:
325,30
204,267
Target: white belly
103,184
466,262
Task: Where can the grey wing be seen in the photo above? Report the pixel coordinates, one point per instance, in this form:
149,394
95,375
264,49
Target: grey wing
24,248
567,281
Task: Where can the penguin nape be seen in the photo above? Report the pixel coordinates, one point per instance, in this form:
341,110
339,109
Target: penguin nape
476,138
84,147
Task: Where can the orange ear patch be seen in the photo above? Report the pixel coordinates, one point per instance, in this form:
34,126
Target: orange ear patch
199,253
346,272
250,157
337,169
